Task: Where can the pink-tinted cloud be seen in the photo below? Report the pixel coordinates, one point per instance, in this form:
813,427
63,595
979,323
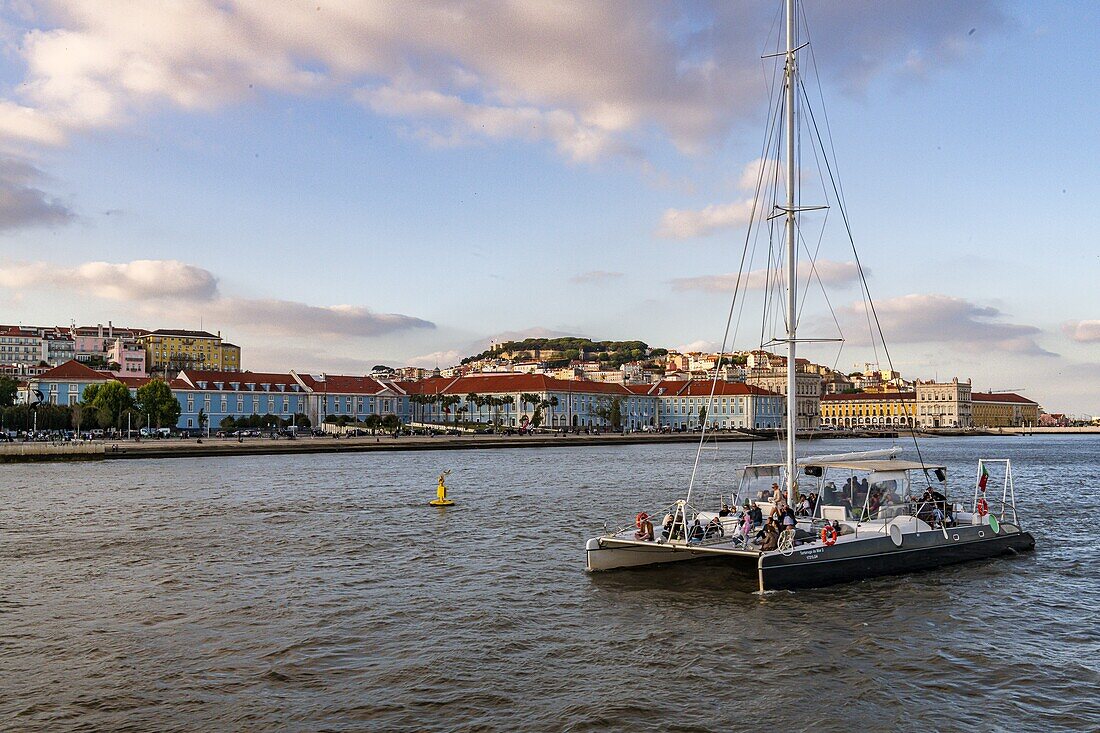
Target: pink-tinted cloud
1083,332
944,319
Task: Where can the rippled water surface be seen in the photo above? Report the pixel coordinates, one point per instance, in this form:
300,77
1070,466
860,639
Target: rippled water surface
321,593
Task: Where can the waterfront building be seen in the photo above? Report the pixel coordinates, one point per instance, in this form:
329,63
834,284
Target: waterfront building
354,398
221,394
573,403
681,405
944,404
868,409
807,387
1003,410
171,350
65,384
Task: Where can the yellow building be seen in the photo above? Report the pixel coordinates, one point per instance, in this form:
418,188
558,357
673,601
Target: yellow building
1004,410
171,350
231,357
868,409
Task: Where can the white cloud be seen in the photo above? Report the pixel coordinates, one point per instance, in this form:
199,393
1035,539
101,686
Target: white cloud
700,345
836,274
437,359
689,223
175,290
1085,332
465,122
594,276
588,76
944,319
140,280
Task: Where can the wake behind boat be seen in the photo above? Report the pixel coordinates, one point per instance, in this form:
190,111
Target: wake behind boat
830,519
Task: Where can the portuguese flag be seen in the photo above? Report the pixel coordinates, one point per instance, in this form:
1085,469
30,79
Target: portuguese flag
984,478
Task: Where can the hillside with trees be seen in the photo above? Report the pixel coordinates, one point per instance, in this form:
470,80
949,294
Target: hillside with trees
612,354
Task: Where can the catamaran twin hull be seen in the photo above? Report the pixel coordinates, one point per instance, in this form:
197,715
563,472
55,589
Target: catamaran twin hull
815,564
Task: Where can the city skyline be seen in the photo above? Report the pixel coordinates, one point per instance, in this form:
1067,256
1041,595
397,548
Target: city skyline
340,188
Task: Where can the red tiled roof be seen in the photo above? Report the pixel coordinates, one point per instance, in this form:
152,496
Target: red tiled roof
874,396
73,369
193,377
342,384
1001,397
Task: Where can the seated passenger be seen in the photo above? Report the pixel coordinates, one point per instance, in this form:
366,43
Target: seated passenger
715,528
697,532
645,529
757,515
874,505
770,537
724,511
666,526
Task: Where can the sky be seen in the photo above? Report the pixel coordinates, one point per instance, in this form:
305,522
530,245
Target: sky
338,185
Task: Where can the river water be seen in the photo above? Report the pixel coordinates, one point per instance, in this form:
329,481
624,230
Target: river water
319,592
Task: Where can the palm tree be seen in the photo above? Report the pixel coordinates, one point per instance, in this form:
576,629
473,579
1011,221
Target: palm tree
473,399
528,398
447,402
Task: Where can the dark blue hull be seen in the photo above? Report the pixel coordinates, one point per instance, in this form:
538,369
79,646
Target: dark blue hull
814,566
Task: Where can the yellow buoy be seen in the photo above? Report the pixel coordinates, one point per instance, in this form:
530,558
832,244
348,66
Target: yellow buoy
441,492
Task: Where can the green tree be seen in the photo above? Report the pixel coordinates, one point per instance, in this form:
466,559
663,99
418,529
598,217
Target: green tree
203,419
610,410
8,389
702,416
227,423
110,400
156,400
391,422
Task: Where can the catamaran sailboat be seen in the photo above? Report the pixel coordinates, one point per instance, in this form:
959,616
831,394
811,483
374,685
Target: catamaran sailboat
859,515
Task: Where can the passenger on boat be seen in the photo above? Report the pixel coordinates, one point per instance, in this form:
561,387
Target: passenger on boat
757,515
769,536
715,528
813,503
777,493
803,509
666,526
724,511
645,528
874,504
697,532
745,528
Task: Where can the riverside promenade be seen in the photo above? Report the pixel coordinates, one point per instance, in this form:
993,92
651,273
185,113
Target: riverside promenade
228,447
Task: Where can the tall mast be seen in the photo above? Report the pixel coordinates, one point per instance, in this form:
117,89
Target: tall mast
792,253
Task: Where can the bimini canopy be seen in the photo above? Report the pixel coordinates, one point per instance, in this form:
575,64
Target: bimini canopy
877,466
